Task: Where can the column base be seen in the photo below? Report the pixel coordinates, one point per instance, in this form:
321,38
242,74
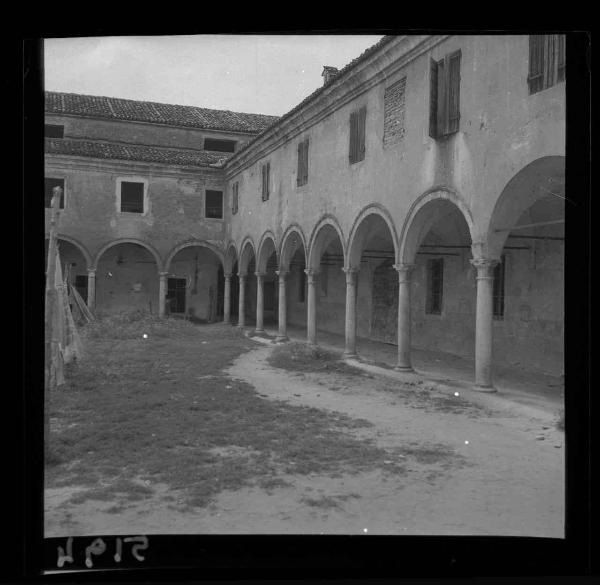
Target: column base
350,355
481,388
241,325
406,369
259,331
281,339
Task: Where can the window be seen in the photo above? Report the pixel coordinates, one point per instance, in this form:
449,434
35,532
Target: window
301,285
302,177
81,285
53,131
435,286
546,61
219,145
235,197
132,197
214,205
444,96
499,271
49,185
266,173
357,135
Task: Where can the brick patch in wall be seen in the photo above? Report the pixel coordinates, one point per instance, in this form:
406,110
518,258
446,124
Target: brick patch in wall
393,120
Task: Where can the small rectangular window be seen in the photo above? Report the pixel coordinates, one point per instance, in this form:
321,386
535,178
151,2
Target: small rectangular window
547,64
435,286
218,145
301,285
357,135
132,197
235,197
214,205
266,172
54,131
49,185
498,294
302,177
444,95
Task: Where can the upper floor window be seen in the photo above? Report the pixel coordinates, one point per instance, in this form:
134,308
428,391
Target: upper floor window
214,205
302,177
219,145
49,185
132,197
54,131
435,286
357,135
498,292
444,96
546,61
266,177
235,197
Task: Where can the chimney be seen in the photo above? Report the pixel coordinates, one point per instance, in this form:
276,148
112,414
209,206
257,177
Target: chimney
329,73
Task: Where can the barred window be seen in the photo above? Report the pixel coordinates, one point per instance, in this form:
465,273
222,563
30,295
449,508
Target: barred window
435,286
547,63
214,205
132,197
499,271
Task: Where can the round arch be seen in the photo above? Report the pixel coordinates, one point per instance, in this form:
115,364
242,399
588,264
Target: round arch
266,247
191,244
86,255
289,245
231,256
247,251
323,234
540,178
148,247
368,218
425,211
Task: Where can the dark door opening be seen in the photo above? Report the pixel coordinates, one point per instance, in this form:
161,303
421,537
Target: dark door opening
176,288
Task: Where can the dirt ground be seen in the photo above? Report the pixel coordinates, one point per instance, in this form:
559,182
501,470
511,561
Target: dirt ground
474,464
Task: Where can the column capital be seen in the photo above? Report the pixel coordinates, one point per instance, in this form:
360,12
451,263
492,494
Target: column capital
260,274
242,274
311,272
350,274
227,274
404,270
163,274
281,273
350,269
484,267
91,271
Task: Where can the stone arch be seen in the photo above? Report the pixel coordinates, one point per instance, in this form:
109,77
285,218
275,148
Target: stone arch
323,234
265,249
231,256
289,246
190,244
368,218
84,251
425,211
150,248
540,178
247,252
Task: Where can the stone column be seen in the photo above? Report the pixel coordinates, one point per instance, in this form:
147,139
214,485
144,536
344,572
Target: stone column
282,333
91,288
350,350
404,363
242,300
162,293
260,302
311,317
227,299
483,323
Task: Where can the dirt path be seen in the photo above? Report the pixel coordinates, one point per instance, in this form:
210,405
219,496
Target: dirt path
473,464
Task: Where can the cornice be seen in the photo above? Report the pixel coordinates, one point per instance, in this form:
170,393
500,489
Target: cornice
324,105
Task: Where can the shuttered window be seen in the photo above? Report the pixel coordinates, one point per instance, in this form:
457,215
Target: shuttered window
547,64
49,185
302,177
444,95
54,131
266,172
357,135
435,286
235,188
213,208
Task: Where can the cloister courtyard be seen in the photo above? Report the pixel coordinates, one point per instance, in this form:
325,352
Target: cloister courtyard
168,426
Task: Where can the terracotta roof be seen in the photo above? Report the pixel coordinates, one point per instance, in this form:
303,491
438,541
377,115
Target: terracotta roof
156,113
134,152
363,56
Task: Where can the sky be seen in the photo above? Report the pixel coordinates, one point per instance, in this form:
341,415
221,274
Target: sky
263,74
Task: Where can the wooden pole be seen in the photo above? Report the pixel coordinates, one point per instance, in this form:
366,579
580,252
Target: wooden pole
49,378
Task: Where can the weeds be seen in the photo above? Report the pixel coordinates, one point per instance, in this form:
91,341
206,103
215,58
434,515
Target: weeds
301,357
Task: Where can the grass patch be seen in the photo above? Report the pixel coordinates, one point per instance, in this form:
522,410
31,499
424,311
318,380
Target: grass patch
161,409
301,357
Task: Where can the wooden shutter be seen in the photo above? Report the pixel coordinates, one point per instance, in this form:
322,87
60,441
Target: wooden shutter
454,92
300,172
268,180
549,60
536,63
561,69
353,137
442,109
362,120
433,99
264,173
305,161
